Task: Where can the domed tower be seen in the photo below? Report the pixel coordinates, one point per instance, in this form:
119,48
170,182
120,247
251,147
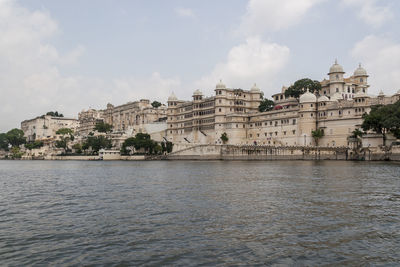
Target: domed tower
256,96
336,79
361,79
172,100
307,118
197,96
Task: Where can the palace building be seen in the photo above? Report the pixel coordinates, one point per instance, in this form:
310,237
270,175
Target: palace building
337,111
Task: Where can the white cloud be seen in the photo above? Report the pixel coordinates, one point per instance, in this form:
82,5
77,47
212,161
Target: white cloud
135,88
381,58
31,77
271,15
370,11
253,61
184,12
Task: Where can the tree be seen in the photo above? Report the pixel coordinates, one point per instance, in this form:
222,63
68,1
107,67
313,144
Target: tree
16,152
224,138
78,148
317,134
15,137
66,136
167,146
34,145
65,131
383,119
140,141
156,104
54,114
96,143
103,127
356,133
3,141
300,87
266,105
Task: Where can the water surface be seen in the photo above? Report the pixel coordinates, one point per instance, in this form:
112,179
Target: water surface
189,213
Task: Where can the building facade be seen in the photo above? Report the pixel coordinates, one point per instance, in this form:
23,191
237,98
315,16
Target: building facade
337,111
45,127
127,118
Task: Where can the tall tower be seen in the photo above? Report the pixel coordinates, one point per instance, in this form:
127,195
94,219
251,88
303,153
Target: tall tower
307,118
336,79
361,79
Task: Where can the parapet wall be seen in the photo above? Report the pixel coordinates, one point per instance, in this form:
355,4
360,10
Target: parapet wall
231,152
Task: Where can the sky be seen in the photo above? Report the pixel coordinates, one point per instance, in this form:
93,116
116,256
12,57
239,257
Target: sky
68,56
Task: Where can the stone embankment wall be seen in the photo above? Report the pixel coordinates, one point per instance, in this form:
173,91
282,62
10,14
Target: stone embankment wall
231,152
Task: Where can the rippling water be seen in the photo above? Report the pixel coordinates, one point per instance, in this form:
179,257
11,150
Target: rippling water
185,213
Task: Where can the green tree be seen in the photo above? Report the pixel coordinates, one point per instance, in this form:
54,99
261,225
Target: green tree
266,105
54,114
66,136
383,120
300,87
3,141
103,127
167,146
16,152
141,141
15,137
356,133
317,134
96,143
78,148
156,104
224,137
34,145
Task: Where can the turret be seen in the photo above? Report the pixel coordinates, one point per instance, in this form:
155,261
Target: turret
336,79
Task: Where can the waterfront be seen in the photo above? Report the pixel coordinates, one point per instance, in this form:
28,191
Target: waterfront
186,213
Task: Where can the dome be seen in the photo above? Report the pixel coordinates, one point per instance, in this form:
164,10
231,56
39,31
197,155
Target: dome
220,85
360,71
336,68
381,94
255,88
336,96
308,97
323,98
172,97
197,92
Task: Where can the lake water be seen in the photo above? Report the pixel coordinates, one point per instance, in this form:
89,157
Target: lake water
189,213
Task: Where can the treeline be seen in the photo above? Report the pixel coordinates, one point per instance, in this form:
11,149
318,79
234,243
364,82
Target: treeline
143,144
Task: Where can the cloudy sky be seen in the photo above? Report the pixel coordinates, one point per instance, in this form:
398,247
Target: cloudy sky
72,55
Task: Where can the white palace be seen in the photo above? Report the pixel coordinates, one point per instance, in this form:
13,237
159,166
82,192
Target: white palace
337,111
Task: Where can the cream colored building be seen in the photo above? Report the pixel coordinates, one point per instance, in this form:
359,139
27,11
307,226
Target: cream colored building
129,118
45,127
133,114
88,119
337,110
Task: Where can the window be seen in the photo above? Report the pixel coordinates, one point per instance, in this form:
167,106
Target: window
220,101
337,90
220,110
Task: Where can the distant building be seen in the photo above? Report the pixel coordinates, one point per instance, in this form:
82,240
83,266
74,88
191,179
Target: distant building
337,111
45,127
126,120
88,120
